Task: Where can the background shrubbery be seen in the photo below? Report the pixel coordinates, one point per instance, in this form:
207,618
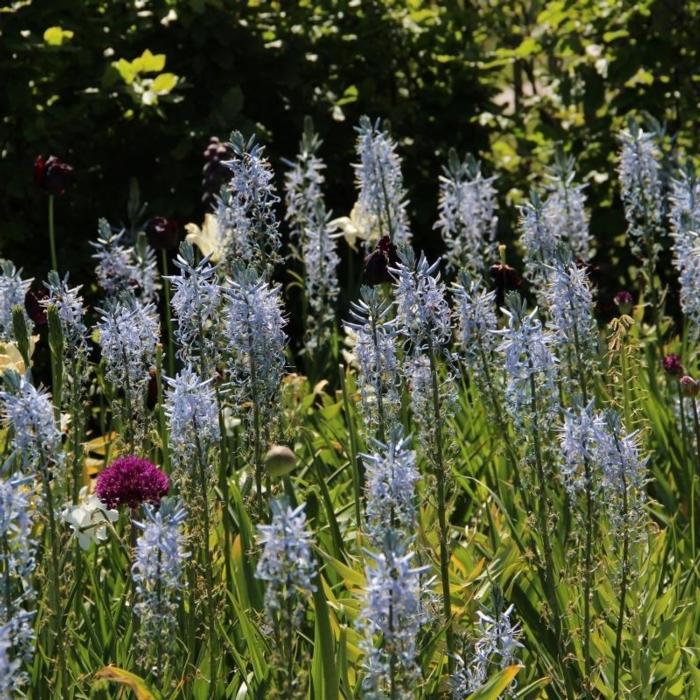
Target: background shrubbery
127,90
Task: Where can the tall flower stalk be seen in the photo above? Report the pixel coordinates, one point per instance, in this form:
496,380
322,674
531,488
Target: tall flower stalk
129,335
641,190
158,575
197,300
565,208
423,319
467,217
391,620
309,222
287,566
381,203
532,402
193,413
12,292
375,337
36,444
17,594
256,344
685,223
246,208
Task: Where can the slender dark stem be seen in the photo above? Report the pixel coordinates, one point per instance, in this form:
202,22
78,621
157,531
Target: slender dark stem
52,236
168,314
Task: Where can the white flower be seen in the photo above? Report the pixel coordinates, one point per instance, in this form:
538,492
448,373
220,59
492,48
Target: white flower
89,519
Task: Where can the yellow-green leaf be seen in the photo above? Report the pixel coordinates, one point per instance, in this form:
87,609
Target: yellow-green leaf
164,83
497,684
149,62
130,680
55,36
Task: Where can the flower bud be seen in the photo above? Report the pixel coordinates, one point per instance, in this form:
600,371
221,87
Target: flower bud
162,233
689,387
52,175
623,300
280,460
672,365
378,262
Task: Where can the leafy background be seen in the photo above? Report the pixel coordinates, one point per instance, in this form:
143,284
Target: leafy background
126,90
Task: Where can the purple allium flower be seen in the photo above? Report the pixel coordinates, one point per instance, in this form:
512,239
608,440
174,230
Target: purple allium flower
131,480
689,386
672,365
624,301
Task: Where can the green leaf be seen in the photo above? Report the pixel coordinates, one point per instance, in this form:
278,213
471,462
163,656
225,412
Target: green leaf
149,62
497,684
323,667
164,83
55,36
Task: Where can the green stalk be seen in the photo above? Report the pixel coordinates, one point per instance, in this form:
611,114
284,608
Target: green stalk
442,513
168,314
354,464
209,579
623,592
52,236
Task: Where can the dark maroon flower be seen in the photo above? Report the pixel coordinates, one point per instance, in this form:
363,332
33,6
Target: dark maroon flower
52,175
689,387
152,391
505,279
672,365
131,481
378,262
36,310
162,233
624,301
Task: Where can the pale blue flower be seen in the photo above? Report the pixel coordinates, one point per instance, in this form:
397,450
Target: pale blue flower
70,308
391,477
158,574
375,355
197,301
286,564
193,415
381,200
13,290
245,211
29,413
391,619
467,217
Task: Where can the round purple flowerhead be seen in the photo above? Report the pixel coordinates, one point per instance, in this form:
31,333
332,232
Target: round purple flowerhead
624,301
131,480
672,365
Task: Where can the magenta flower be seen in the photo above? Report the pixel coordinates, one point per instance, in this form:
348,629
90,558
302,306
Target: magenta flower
672,365
131,480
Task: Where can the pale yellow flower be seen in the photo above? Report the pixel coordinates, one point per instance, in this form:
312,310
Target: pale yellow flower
207,238
353,228
10,357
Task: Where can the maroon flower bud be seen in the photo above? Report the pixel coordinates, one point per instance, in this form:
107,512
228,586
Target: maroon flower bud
162,233
152,391
378,262
36,310
689,387
672,365
131,481
624,301
505,279
52,175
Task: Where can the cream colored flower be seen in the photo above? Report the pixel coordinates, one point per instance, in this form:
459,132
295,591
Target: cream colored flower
353,228
10,357
89,519
207,238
